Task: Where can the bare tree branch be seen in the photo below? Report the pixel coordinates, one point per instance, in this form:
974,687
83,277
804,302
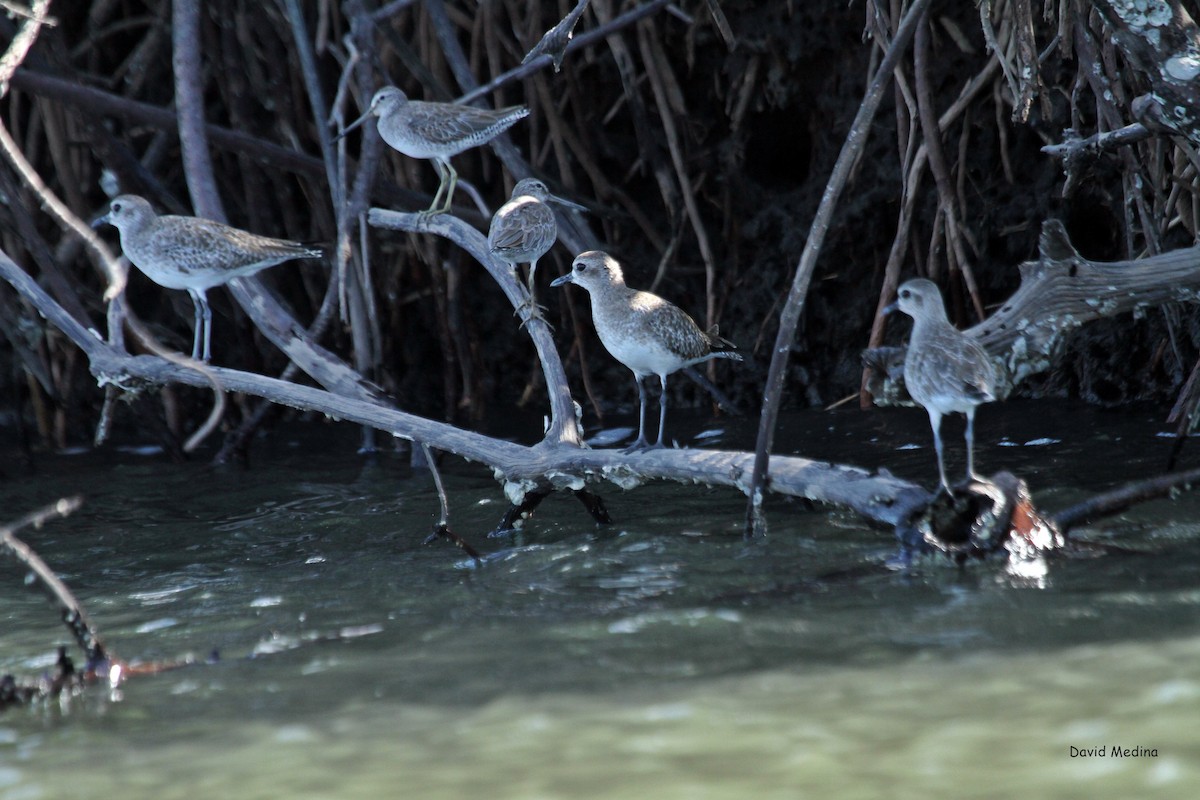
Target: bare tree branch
855,140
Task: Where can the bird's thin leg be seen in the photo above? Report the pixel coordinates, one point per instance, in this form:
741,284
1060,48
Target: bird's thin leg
535,311
203,332
640,443
662,410
207,328
437,196
198,324
449,199
971,445
935,422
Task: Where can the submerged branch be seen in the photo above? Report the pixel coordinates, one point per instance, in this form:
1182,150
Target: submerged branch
1123,497
73,615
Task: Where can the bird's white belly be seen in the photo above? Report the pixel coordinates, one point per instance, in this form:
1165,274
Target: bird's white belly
411,148
164,273
643,356
948,404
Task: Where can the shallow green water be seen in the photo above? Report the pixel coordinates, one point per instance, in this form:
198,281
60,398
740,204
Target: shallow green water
661,656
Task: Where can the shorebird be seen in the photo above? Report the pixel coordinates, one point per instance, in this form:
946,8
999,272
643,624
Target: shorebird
524,229
642,331
944,369
436,131
554,41
194,254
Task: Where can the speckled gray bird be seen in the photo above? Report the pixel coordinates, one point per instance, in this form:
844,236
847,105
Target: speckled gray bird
194,254
945,370
437,131
524,229
642,331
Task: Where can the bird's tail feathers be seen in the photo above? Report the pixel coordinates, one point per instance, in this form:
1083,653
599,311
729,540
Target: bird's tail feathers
721,347
314,249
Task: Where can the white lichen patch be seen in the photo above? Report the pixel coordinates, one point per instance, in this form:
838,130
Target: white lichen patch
1159,13
1024,360
623,477
1141,14
1183,67
515,491
565,480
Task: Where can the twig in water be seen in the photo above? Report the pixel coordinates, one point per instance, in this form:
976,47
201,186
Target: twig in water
594,505
442,529
73,615
1123,497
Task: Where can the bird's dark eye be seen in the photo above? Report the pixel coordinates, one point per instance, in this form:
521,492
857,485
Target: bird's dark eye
116,207
906,294
580,267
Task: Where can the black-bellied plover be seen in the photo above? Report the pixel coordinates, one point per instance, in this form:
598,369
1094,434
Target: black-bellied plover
524,229
945,370
194,254
642,331
437,131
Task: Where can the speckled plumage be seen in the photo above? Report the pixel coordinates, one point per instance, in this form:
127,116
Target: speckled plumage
194,254
641,330
945,370
437,131
524,229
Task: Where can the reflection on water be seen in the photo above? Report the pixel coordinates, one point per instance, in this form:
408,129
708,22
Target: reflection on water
661,656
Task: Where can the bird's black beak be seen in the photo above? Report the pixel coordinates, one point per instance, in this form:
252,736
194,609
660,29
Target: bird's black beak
353,125
564,279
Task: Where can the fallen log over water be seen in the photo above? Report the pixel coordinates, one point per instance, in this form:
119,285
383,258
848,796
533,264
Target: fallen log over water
556,462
